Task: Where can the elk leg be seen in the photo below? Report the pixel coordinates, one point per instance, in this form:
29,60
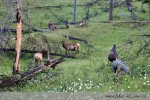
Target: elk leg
36,64
68,53
40,62
78,51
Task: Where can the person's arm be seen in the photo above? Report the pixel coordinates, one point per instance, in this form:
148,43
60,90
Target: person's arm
124,67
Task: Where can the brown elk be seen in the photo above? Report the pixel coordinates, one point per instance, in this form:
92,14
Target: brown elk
71,47
38,57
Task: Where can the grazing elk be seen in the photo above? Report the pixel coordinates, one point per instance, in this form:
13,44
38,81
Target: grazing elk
71,47
38,57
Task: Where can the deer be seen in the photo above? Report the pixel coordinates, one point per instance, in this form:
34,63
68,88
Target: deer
38,57
71,47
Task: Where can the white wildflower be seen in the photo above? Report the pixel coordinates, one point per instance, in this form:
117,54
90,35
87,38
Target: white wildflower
144,83
147,81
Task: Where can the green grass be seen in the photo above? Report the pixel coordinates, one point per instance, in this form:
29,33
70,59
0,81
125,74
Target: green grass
92,72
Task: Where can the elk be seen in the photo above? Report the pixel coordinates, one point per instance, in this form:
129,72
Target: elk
71,47
38,57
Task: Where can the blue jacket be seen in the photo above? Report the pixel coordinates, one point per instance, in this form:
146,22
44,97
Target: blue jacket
120,63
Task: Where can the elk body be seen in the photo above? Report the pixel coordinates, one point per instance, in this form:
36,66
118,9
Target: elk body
38,57
71,47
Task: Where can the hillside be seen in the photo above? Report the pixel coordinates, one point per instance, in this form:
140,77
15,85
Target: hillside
90,70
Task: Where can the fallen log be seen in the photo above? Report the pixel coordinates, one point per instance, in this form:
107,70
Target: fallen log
24,31
21,78
39,30
31,51
35,29
142,35
79,39
42,6
12,30
128,21
38,69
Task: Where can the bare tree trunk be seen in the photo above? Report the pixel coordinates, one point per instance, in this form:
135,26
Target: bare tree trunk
74,16
149,10
28,16
111,10
16,66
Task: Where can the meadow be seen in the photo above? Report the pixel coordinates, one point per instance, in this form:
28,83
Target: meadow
90,71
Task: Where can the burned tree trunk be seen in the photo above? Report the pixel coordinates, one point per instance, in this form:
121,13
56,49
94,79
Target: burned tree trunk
111,10
74,16
16,66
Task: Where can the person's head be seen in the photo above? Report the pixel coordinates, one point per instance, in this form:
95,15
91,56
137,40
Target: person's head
112,57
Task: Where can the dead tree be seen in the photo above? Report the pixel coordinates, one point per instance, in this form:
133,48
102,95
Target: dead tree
16,66
74,16
111,10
